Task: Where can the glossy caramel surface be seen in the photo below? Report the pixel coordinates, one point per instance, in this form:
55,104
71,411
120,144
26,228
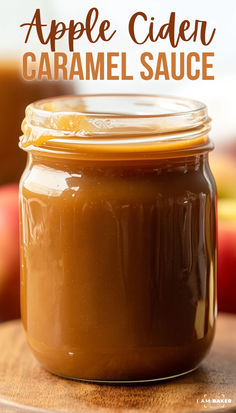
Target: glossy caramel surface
118,265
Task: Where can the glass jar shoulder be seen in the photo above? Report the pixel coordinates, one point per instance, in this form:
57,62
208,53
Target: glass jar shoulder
143,180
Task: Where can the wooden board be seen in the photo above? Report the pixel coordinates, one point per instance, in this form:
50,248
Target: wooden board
24,382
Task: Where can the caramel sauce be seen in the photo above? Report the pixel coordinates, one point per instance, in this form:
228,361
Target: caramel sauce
118,258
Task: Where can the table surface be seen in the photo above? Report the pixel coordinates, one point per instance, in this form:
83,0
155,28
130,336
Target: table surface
25,386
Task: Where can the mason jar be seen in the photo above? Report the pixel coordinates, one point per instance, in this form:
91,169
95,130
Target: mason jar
118,236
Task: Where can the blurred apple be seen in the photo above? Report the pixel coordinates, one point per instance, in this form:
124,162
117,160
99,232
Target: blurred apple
9,253
227,255
223,166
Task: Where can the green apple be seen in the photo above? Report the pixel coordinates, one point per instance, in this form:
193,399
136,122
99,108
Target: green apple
224,170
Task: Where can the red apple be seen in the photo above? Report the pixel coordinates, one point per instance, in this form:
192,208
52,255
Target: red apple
9,253
227,256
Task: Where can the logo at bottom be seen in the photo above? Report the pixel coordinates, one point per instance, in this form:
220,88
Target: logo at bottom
218,401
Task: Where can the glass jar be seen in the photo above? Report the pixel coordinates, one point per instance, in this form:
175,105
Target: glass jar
118,236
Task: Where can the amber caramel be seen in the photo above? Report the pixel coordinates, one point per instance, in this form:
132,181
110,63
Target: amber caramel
118,257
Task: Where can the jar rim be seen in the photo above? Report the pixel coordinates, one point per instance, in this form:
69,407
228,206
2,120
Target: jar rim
115,122
191,105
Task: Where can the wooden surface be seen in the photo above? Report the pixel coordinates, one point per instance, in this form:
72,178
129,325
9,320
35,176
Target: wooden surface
24,382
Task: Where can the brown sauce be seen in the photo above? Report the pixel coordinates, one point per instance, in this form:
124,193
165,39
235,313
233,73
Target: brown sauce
118,279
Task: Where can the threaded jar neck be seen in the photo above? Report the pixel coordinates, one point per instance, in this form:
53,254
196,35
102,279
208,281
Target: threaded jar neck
117,126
